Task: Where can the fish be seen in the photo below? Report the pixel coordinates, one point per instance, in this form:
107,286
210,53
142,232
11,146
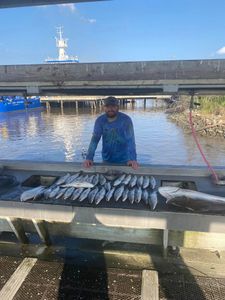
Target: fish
32,194
107,186
72,178
146,182
127,179
145,196
118,193
68,193
152,182
131,195
140,181
84,195
76,194
109,194
192,200
153,200
125,195
92,194
102,179
48,191
61,193
95,180
100,195
62,179
137,194
78,184
54,192
119,180
133,181
90,179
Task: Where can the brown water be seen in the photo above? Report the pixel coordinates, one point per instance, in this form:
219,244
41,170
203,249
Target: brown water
56,136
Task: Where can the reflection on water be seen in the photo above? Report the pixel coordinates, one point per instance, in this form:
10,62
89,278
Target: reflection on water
57,136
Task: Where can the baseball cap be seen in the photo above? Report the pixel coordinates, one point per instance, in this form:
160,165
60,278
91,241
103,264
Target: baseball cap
111,101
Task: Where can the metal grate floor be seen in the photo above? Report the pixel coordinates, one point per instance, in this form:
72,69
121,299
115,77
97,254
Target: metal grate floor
51,281
174,287
8,266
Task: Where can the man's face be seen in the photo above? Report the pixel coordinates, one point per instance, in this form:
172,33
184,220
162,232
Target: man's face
111,110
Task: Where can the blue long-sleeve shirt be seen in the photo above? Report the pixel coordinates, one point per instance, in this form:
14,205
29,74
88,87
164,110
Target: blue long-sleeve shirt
118,142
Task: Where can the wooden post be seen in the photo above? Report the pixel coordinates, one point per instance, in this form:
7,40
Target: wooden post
145,103
149,285
76,106
61,106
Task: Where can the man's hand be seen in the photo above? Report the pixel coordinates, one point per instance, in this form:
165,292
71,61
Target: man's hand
88,163
133,164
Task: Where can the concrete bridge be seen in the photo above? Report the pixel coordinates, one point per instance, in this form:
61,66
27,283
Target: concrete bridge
117,78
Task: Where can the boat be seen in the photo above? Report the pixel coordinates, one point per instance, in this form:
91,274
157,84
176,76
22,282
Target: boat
114,220
61,44
17,103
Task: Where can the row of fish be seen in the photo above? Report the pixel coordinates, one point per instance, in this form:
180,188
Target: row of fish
95,188
79,180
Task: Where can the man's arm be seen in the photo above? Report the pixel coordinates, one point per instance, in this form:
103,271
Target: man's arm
93,144
132,155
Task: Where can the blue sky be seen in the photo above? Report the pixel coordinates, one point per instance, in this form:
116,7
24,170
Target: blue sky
117,30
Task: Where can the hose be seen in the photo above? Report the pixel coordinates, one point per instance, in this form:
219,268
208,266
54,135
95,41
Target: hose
216,179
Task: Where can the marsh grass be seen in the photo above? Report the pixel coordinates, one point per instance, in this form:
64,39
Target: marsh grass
213,105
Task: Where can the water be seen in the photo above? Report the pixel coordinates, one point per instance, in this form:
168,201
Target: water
44,136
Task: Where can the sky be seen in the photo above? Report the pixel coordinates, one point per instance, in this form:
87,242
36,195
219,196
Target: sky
116,30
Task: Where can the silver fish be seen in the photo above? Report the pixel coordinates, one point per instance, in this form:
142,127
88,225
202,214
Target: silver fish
48,191
137,194
140,181
109,194
62,179
102,179
133,181
192,200
92,194
72,178
61,193
146,182
90,178
95,180
131,196
107,186
78,184
85,177
76,194
54,192
152,182
68,193
125,195
84,194
153,200
32,194
127,179
100,195
118,193
145,196
119,180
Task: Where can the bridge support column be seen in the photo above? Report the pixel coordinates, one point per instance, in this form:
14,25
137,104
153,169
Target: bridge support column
76,103
61,102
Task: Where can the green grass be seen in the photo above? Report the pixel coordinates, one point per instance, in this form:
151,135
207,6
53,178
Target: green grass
212,105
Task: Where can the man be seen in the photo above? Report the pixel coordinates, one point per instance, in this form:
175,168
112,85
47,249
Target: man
118,142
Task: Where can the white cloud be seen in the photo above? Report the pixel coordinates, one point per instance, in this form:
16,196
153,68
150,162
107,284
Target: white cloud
221,51
87,20
70,6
